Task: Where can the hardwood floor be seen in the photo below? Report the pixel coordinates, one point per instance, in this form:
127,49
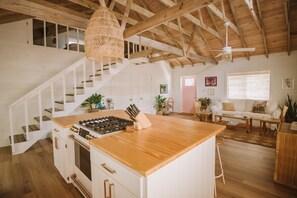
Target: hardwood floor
32,174
248,172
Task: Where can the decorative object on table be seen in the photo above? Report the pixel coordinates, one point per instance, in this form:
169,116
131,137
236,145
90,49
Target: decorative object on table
288,83
104,39
211,81
159,104
210,92
140,120
292,109
205,102
163,88
294,126
109,103
93,102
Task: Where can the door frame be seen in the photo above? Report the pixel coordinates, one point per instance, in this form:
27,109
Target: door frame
181,89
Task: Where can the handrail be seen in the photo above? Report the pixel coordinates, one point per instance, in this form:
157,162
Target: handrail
48,82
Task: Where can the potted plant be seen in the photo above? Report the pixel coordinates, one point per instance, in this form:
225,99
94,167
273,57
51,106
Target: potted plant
93,102
291,114
205,102
159,104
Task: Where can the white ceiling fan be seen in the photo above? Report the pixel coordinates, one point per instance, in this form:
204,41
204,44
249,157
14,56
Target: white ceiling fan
226,52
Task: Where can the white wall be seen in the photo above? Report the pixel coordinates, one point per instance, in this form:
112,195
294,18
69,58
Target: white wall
140,83
280,65
24,66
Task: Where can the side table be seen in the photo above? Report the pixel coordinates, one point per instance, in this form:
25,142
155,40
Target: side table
203,115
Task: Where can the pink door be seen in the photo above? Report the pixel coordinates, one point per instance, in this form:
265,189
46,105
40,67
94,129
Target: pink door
188,94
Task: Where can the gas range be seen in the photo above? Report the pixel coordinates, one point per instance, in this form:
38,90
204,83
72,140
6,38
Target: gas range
95,128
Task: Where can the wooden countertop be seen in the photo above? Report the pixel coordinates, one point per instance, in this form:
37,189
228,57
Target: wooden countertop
147,150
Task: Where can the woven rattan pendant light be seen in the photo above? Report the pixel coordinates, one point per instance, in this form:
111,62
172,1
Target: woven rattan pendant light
104,40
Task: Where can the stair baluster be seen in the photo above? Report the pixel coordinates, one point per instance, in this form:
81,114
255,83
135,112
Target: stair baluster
40,109
26,118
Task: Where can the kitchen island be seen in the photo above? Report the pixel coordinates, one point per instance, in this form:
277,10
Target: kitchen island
173,158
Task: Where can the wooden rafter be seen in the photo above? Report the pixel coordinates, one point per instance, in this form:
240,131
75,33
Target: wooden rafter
287,18
200,34
163,57
261,27
216,26
191,41
219,14
47,11
111,5
181,36
193,19
143,53
102,3
167,15
126,14
234,13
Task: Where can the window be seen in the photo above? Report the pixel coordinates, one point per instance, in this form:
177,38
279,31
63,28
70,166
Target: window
249,85
189,82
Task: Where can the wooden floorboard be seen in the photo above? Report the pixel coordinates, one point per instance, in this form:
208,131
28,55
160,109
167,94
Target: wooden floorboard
32,174
248,173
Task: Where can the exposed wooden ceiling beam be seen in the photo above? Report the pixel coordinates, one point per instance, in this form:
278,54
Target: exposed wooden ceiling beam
126,14
216,26
250,6
167,48
262,29
163,57
166,15
193,19
143,53
219,14
181,36
102,3
287,18
46,11
86,3
234,13
111,5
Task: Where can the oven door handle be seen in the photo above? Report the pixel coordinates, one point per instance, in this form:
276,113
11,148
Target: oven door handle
79,142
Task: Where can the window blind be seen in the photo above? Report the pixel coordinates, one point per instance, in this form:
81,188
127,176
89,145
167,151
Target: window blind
251,85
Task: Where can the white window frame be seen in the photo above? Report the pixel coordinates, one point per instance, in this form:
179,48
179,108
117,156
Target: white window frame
267,97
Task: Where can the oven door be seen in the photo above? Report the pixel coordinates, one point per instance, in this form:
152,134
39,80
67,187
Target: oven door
82,176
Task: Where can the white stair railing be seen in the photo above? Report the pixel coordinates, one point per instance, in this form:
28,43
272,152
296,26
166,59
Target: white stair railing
81,64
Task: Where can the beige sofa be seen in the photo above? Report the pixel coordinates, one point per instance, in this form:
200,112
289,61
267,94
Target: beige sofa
245,108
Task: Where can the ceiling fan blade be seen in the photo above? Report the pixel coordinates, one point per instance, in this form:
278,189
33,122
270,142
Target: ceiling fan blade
220,54
243,49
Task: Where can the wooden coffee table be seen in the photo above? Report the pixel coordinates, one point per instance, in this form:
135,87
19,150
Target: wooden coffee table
247,120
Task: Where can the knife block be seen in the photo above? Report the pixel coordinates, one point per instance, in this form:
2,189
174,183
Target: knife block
142,121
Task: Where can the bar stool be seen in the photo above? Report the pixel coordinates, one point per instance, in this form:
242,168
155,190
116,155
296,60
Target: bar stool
219,141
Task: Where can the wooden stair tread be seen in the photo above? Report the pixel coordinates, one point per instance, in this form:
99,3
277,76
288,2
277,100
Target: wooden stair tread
62,102
32,127
18,138
50,110
79,87
69,94
95,75
44,118
87,81
104,69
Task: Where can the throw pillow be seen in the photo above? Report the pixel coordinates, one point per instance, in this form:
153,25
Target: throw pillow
271,106
259,106
228,106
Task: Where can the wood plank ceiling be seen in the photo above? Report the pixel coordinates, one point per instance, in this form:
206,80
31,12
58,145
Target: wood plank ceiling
181,32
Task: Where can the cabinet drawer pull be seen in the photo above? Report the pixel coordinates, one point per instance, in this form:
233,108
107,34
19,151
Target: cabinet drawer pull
105,181
56,130
56,143
108,169
110,192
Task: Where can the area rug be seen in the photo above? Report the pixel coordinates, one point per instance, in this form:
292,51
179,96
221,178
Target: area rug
238,133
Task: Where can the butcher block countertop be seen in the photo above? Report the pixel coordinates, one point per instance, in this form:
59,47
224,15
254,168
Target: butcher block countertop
149,149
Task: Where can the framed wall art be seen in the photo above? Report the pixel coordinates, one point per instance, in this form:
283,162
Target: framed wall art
163,88
211,81
210,92
288,83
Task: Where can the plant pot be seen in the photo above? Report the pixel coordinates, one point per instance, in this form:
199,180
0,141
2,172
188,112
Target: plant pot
159,112
93,110
203,108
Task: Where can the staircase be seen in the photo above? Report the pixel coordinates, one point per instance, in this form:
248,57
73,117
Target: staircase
30,116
